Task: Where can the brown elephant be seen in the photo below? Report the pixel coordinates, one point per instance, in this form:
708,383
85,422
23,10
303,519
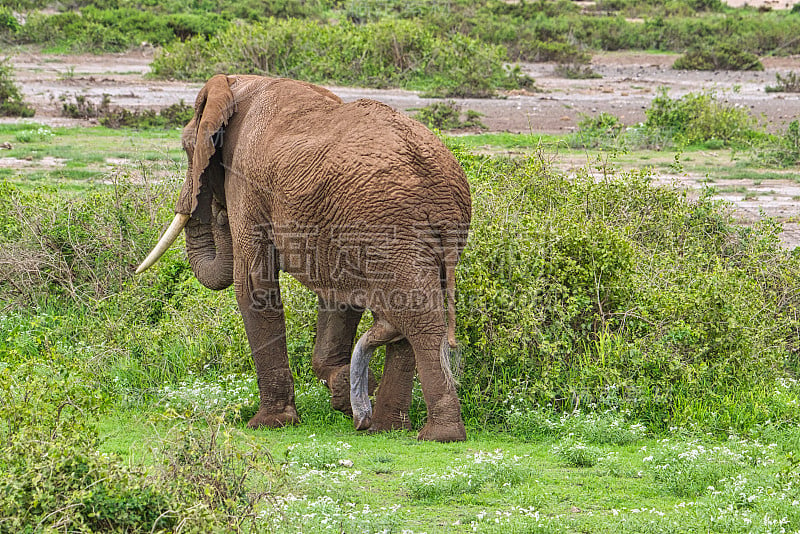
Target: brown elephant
362,205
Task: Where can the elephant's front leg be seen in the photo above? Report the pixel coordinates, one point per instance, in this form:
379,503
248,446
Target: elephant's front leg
258,295
336,330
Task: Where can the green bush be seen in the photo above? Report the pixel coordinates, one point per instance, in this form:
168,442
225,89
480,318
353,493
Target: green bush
113,30
693,324
386,53
576,71
782,151
81,248
176,115
790,83
11,104
218,473
83,107
722,57
466,476
447,116
577,454
53,477
601,291
601,130
9,24
530,31
700,117
205,476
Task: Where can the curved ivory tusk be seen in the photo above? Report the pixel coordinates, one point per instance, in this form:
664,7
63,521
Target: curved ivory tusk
166,240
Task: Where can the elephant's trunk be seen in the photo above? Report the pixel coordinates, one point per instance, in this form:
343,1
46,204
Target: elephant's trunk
164,243
210,250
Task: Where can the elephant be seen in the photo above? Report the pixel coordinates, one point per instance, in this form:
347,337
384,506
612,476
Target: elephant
360,203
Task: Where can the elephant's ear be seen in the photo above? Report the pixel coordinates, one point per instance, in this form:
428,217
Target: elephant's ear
202,137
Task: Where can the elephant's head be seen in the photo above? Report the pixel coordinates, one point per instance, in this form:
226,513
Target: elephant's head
201,206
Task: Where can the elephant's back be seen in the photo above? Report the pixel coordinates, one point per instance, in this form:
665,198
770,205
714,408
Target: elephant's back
364,161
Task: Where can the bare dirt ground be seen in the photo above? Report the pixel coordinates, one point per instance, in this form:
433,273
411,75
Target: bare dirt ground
629,82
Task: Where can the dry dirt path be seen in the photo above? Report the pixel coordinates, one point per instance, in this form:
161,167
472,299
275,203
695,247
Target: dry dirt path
628,84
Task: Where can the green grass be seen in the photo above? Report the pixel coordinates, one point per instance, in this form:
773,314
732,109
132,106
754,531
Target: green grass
716,164
86,150
83,154
536,490
500,141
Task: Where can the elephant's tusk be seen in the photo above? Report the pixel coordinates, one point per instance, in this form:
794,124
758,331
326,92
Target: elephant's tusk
166,240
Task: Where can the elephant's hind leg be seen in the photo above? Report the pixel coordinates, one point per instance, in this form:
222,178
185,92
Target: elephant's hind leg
432,353
333,347
393,398
381,333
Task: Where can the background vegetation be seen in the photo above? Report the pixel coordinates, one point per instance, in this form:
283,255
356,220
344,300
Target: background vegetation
618,337
598,313
448,47
570,286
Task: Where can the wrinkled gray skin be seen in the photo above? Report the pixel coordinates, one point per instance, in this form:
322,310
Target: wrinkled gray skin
362,205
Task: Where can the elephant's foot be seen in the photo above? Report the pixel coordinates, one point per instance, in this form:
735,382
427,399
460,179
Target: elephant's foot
385,419
270,418
444,422
443,433
339,386
390,426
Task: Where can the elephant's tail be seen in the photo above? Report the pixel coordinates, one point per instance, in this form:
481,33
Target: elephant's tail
450,245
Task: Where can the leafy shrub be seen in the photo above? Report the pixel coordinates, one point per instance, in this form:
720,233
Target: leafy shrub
576,71
264,9
386,53
466,476
316,455
570,287
781,151
555,263
11,104
363,11
220,474
83,107
187,25
721,57
601,130
786,84
447,116
72,30
8,22
536,50
699,117
176,115
596,426
114,30
225,396
53,476
205,477
81,248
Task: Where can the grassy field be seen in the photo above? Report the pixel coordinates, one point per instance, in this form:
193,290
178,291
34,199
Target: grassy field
604,475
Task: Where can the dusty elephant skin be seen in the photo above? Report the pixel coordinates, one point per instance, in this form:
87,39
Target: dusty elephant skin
361,204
